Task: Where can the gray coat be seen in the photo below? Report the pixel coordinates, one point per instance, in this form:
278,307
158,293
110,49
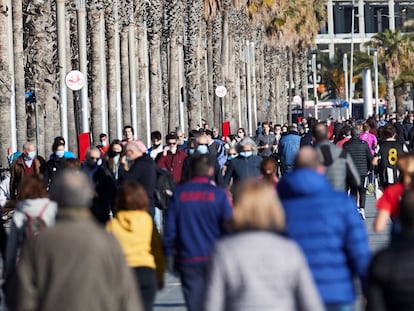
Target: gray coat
75,265
260,270
340,168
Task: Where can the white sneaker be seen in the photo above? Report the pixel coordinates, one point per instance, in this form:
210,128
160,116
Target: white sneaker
361,212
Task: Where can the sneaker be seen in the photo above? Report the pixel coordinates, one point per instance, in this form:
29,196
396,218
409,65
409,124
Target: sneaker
361,212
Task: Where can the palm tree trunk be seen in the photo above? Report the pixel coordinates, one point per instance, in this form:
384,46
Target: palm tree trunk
41,59
390,94
5,84
194,9
112,96
96,83
125,90
154,39
21,119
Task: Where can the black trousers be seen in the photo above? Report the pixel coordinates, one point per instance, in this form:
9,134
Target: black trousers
147,285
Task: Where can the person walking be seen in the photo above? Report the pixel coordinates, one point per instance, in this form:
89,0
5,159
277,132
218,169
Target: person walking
27,164
361,155
195,220
142,169
282,280
391,278
245,165
288,146
326,225
139,239
340,168
76,264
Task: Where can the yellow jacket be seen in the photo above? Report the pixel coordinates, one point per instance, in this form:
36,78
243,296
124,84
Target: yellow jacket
139,240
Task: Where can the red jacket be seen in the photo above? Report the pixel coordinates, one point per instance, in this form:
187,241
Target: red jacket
173,163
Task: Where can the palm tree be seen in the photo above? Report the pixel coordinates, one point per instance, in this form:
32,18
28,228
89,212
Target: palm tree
96,15
154,23
21,119
174,21
193,15
394,49
41,75
5,83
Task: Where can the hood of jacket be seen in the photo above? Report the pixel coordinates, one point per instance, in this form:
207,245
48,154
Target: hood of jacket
132,221
302,182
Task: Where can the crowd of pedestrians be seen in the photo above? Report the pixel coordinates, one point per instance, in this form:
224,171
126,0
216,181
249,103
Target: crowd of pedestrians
269,222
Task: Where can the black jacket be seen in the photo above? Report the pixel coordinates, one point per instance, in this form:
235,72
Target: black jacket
144,171
360,154
391,277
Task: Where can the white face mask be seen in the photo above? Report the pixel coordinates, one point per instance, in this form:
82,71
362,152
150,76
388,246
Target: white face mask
31,155
173,150
60,154
104,143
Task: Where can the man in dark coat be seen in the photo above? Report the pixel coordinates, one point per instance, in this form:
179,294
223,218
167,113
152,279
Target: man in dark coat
142,169
362,157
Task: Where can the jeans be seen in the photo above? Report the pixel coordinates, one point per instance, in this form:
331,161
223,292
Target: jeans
193,280
340,307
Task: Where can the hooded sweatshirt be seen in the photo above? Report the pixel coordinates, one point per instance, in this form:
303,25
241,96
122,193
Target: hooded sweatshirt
139,240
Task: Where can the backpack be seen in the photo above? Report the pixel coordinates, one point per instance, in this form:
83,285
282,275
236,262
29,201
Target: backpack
164,187
32,225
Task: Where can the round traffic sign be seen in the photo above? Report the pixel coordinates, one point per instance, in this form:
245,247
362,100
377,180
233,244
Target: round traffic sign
297,99
75,80
221,91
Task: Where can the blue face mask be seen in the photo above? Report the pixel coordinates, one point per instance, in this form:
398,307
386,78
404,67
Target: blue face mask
202,149
31,155
246,154
191,151
231,157
60,154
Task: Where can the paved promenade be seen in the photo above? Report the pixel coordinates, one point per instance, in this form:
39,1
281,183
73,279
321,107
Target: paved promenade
171,298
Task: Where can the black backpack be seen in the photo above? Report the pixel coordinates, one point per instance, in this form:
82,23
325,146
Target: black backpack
164,187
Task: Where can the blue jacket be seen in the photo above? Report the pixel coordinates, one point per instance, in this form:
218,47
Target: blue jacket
327,226
288,148
195,220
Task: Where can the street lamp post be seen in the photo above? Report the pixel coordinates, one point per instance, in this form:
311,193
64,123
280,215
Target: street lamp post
81,16
345,67
351,86
376,82
315,91
61,30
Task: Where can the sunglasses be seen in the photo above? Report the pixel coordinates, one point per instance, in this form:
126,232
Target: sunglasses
94,159
173,144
